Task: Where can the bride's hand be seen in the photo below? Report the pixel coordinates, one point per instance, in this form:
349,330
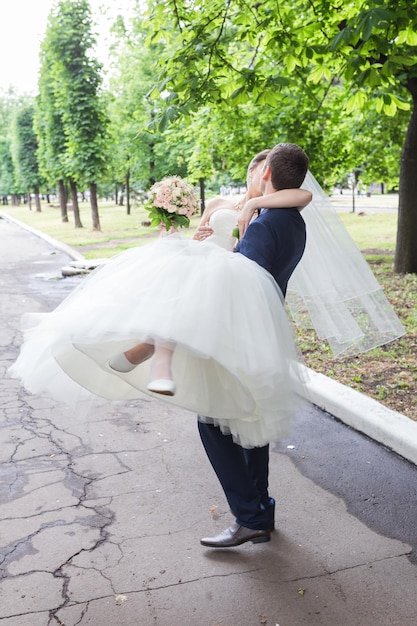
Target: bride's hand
202,233
246,215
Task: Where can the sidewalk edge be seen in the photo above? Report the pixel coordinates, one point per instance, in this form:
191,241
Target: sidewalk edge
63,247
366,415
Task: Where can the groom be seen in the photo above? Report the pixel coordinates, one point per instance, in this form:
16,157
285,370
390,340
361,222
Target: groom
276,241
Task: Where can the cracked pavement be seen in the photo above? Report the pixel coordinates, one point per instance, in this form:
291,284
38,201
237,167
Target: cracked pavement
102,509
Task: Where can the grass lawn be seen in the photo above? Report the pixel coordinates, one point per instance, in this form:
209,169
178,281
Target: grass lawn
374,231
118,230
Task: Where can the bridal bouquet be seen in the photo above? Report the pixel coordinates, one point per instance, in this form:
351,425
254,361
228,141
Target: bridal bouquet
172,201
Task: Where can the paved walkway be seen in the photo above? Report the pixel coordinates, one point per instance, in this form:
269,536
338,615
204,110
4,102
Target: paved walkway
375,203
101,512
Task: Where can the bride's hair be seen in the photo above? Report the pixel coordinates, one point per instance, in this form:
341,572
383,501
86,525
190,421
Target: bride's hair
258,158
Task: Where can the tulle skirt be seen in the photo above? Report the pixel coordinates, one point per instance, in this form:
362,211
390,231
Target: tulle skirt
234,362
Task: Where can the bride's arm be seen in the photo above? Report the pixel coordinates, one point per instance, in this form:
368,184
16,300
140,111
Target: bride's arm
283,199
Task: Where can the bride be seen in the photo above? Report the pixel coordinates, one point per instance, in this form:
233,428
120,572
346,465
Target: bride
234,359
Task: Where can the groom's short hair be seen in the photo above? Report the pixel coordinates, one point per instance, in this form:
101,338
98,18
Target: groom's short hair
289,165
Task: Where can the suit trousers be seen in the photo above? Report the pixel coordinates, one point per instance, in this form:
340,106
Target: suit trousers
243,475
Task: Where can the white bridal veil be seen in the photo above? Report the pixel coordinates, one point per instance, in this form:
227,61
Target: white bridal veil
333,289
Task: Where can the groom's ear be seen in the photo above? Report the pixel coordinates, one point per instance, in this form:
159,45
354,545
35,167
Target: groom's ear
266,174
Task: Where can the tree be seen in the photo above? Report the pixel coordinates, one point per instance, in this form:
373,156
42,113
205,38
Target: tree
49,128
141,152
234,52
376,50
75,89
6,170
25,154
131,113
10,103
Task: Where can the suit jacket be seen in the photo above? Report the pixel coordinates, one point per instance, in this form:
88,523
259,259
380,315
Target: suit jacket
276,241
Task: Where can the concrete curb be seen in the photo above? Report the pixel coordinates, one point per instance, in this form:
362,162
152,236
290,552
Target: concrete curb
366,415
73,254
394,430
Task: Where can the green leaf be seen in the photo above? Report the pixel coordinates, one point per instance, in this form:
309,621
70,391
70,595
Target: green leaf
374,78
171,97
401,37
383,15
240,95
390,109
401,104
403,60
317,74
291,62
268,97
356,101
164,83
169,115
367,27
379,104
408,36
338,40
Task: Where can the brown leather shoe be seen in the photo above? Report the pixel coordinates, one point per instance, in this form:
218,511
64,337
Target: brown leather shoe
235,535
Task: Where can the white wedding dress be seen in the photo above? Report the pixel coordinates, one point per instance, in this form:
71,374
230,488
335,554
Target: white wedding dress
235,360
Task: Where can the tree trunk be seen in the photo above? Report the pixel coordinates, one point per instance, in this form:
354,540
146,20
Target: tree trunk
75,207
152,163
94,207
127,181
62,195
202,196
116,194
121,195
29,200
406,249
37,200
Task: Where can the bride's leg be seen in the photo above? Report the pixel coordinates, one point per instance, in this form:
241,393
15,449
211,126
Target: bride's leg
161,376
127,361
140,353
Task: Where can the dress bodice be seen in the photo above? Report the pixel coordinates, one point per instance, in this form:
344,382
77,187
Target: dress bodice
223,222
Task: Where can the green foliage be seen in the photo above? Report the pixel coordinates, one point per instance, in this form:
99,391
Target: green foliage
72,117
245,77
230,50
48,123
133,140
198,88
6,168
349,61
25,150
10,105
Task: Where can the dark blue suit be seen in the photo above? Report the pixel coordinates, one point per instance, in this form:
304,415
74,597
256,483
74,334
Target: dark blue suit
276,241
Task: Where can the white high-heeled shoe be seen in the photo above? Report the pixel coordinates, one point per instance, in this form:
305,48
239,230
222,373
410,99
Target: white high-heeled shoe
164,386
120,363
